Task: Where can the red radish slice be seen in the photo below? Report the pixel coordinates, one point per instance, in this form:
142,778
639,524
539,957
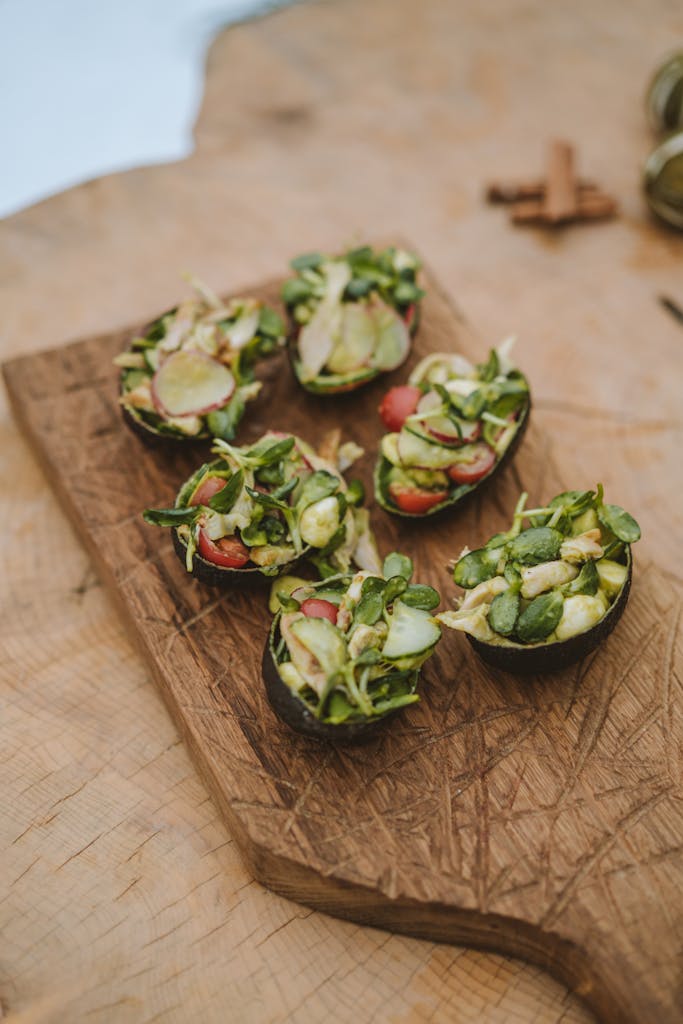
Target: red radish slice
441,428
191,384
444,430
393,338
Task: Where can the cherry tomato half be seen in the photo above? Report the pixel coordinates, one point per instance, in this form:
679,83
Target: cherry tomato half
415,500
316,608
228,551
399,403
208,487
483,459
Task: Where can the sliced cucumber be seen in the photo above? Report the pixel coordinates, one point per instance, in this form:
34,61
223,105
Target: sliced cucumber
415,451
151,357
323,641
612,576
393,338
412,633
389,448
357,342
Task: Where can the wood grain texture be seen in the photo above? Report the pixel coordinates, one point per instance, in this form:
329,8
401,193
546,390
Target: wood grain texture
320,125
524,817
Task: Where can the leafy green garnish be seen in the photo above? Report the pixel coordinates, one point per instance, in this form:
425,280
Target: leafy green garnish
224,499
540,618
419,595
223,422
621,523
397,564
171,516
504,611
535,545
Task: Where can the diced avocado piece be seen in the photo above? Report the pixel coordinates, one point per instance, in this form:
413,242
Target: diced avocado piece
324,641
588,520
412,633
291,676
284,585
612,576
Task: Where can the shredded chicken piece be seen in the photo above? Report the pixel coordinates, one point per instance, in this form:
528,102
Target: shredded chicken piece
474,621
329,446
582,548
363,637
538,578
348,453
484,592
139,397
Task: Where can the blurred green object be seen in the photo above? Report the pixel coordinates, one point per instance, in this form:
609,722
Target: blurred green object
663,180
664,98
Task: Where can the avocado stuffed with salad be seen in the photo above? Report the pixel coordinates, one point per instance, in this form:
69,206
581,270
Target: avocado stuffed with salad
256,510
345,653
543,595
352,316
190,374
450,429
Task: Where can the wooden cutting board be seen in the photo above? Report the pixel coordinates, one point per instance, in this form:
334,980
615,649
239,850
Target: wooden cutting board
538,818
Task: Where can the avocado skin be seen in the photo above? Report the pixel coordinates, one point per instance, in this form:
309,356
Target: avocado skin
438,510
220,575
553,657
296,715
158,441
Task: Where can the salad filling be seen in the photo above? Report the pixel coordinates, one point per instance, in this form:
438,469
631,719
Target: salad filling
352,315
349,648
264,506
191,373
552,580
449,429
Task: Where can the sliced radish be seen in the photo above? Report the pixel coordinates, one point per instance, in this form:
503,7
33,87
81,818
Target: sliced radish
430,401
191,384
357,342
393,338
444,430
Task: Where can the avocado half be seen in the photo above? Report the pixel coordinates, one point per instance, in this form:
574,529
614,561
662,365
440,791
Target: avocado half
382,467
540,659
335,384
294,713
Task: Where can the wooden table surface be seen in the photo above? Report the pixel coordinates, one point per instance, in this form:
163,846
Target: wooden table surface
122,897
